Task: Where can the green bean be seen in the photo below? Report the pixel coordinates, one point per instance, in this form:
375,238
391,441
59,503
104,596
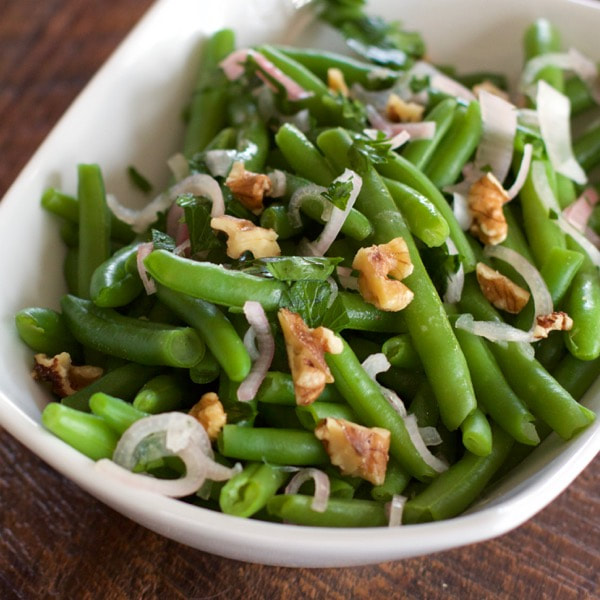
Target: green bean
113,282
162,393
123,382
456,147
493,392
587,147
420,152
278,388
212,282
70,269
565,191
396,480
359,315
424,406
354,71
422,217
119,415
207,110
44,330
87,433
541,38
303,156
579,95
247,492
400,169
311,415
277,217
477,434
107,331
215,329
406,382
69,234
399,350
575,375
425,317
253,143
582,304
280,416
366,400
542,232
295,508
207,370
67,207
274,446
550,351
94,225
458,487
545,398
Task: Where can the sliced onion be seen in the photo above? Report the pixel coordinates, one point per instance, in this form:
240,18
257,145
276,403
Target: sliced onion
590,249
456,281
375,364
219,162
438,465
179,166
233,68
182,249
542,300
521,177
499,119
250,344
539,178
298,198
587,70
322,487
143,251
460,208
347,279
176,227
257,318
198,184
184,437
443,83
278,181
554,112
430,436
395,509
338,216
333,292
579,212
528,117
495,331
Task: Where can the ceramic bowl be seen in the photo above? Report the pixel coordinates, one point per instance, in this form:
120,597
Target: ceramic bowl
130,114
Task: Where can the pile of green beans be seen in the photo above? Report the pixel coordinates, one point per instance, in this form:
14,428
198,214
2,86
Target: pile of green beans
160,352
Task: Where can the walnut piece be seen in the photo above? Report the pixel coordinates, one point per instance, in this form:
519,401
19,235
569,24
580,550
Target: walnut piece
486,198
488,86
306,349
248,187
556,321
358,451
66,378
503,293
399,111
210,413
243,236
336,81
374,264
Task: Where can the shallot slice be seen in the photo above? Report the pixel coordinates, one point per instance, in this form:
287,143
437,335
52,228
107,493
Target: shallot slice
322,487
395,509
143,251
257,318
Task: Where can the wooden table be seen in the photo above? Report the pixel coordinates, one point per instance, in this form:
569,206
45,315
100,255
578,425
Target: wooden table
56,541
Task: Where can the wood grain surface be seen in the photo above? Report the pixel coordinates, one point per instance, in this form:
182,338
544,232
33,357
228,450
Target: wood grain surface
57,541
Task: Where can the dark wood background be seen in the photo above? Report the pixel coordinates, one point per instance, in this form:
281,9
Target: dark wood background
57,541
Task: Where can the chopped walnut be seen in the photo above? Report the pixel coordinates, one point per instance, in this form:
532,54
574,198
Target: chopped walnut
503,293
374,264
248,187
556,321
306,355
488,86
399,111
243,236
358,451
210,413
486,198
336,81
66,379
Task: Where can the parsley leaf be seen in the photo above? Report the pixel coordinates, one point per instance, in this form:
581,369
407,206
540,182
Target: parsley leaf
338,193
162,241
309,298
197,218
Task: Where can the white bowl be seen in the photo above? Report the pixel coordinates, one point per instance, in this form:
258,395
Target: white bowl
129,114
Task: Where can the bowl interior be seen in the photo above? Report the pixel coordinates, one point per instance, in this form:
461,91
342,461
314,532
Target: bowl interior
130,115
